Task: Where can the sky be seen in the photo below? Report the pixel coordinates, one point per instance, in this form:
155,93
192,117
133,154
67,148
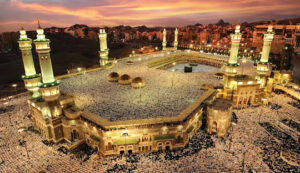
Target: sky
64,13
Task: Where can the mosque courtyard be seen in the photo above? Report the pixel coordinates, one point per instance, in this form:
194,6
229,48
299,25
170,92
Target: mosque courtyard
166,92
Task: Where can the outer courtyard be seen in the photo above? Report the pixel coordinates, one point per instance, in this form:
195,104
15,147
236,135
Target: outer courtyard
248,146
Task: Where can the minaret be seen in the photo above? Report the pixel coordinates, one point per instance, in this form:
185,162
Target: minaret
103,47
263,69
232,65
235,42
164,43
31,79
268,37
176,39
49,87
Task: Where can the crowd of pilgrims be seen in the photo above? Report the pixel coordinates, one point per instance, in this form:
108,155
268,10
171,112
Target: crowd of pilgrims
249,146
165,94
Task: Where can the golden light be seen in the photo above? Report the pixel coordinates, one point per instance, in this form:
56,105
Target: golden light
165,128
14,85
180,127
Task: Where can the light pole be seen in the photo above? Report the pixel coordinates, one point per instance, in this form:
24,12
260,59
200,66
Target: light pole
173,72
21,131
263,104
125,135
9,115
243,62
232,124
140,88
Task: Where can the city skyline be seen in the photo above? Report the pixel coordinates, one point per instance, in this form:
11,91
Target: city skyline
138,12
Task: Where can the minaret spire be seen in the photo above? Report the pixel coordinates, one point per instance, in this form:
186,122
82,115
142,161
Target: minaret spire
39,25
22,28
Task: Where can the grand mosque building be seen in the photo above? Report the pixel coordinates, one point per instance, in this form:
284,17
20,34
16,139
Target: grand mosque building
146,102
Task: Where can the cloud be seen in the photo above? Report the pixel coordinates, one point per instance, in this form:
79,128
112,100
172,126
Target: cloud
138,12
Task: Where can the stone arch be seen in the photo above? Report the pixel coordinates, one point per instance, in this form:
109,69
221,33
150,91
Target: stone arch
179,139
74,135
109,146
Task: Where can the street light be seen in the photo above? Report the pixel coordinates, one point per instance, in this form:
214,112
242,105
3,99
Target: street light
15,87
9,115
173,70
264,100
21,131
140,88
125,135
243,62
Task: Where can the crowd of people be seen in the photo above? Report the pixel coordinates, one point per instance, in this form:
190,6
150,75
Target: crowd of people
165,94
291,124
252,144
248,146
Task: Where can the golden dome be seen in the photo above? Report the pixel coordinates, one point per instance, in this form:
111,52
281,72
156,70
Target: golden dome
113,77
138,82
125,79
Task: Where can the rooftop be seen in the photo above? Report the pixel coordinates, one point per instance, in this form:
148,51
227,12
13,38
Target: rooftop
112,101
220,104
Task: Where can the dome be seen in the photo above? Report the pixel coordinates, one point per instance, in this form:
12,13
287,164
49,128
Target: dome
113,77
125,79
129,62
72,113
138,82
219,75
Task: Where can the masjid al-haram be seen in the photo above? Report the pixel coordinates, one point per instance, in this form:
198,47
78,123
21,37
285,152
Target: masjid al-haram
183,110
165,94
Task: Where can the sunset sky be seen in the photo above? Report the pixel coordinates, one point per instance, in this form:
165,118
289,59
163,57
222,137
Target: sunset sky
65,13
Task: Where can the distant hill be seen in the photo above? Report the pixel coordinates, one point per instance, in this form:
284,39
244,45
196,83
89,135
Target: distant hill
222,23
292,21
